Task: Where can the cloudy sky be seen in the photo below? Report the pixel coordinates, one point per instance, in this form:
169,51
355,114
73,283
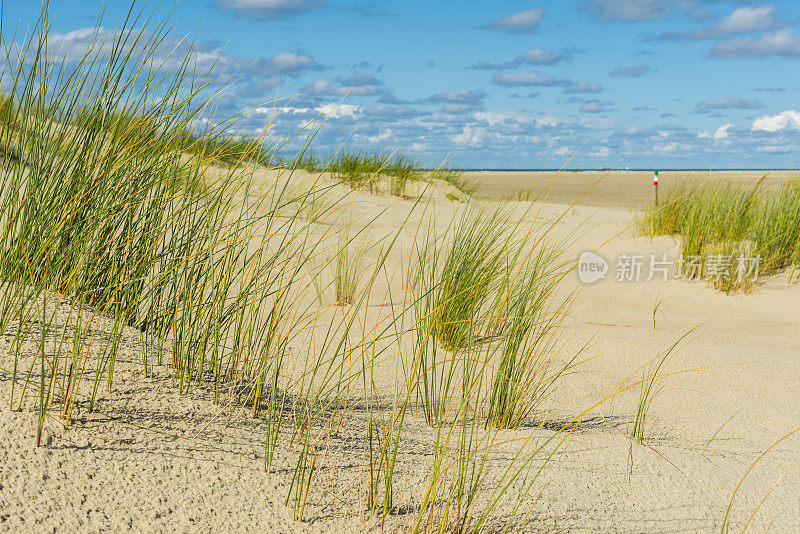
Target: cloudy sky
506,84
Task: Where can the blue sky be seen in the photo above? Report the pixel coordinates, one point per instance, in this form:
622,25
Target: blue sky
625,83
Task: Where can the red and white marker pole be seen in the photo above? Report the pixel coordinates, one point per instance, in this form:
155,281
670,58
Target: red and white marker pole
655,185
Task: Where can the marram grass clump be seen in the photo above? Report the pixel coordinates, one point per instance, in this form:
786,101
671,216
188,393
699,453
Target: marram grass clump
114,227
730,233
397,170
486,316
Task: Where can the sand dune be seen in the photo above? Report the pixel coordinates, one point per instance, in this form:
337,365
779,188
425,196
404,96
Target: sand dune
151,460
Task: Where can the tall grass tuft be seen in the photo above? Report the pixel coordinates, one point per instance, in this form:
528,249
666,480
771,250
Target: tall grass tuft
470,273
726,226
531,317
651,384
486,307
106,220
349,267
486,317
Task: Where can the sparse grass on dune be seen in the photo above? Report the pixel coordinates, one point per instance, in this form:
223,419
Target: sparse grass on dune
482,359
650,385
358,169
723,220
361,169
307,160
486,311
349,267
520,195
456,178
105,230
108,232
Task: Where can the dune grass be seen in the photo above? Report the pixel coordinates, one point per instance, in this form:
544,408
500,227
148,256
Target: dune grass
8,113
464,277
456,178
127,129
520,195
103,218
650,385
725,527
723,226
486,311
231,150
480,383
356,168
349,268
364,169
103,232
109,230
527,367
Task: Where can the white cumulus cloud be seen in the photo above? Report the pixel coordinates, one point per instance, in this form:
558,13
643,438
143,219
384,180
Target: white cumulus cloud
287,62
789,119
748,19
339,110
722,132
743,20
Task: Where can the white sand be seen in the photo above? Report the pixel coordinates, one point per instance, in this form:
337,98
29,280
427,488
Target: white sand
151,460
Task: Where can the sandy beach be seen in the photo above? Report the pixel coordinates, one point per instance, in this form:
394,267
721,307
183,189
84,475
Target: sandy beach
151,460
613,188
237,295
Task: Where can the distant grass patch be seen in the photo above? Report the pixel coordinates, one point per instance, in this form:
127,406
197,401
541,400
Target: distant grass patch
520,195
234,151
361,169
357,168
456,178
727,223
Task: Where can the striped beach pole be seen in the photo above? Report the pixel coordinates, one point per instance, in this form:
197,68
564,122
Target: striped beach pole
655,185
